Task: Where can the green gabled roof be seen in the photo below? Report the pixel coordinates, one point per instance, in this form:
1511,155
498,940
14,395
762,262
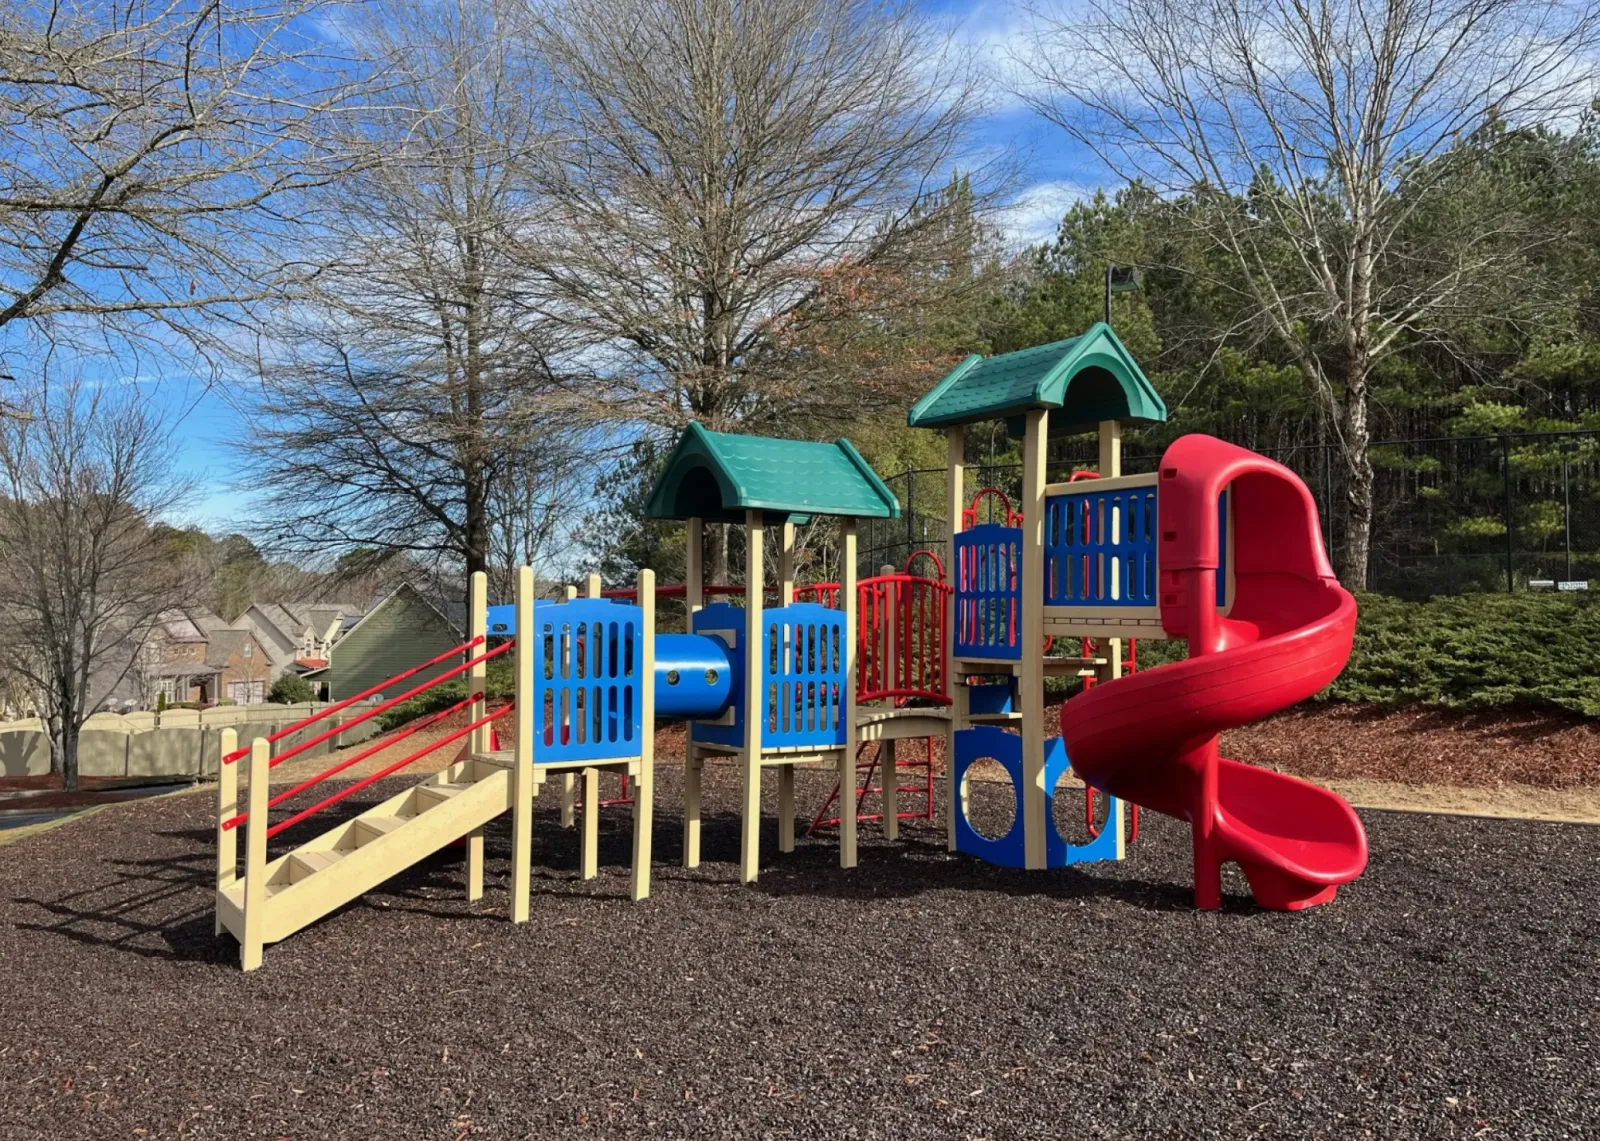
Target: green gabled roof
719,476
1089,378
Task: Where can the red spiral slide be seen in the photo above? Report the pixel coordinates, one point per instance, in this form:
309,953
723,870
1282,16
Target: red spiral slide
1152,738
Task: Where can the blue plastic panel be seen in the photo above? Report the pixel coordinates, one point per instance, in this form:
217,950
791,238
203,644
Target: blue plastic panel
586,680
803,652
988,575
992,743
1100,547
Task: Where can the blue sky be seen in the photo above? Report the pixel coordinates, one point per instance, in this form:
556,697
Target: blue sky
1054,172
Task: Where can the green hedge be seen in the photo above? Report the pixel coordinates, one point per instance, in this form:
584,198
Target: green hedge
1470,651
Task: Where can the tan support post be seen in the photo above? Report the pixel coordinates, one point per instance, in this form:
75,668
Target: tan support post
255,856
593,586
569,779
694,598
785,808
644,787
955,502
522,774
1031,633
786,565
478,627
227,809
889,777
589,861
694,566
847,757
754,722
1110,467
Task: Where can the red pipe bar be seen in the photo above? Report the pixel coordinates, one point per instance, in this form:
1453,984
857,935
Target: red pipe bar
392,702
299,725
384,772
382,744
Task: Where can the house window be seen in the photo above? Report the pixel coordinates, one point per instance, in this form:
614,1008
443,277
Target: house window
247,692
247,650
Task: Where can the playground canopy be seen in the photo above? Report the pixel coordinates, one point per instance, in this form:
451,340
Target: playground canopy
1089,378
718,476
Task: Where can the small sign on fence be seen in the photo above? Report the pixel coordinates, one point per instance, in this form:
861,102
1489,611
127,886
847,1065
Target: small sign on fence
1541,584
1574,585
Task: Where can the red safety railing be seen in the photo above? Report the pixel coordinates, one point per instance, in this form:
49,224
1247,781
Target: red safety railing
900,646
349,701
386,742
969,515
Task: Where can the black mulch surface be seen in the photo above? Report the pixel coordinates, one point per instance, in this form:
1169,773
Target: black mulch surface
1450,993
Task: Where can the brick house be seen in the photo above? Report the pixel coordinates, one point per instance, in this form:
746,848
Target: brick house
193,655
297,635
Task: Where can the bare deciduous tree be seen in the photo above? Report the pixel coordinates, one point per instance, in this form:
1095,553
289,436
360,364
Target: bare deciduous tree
416,384
83,574
152,156
721,163
1304,134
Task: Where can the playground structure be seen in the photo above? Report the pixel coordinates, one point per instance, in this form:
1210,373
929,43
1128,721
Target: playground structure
1219,546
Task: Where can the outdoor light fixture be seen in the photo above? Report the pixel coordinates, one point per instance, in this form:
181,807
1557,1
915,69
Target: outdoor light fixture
1119,279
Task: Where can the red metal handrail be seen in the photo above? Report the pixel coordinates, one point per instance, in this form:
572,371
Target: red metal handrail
391,703
387,771
383,743
349,701
938,563
969,515
913,666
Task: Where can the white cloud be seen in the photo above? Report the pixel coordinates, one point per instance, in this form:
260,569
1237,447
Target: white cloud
1036,213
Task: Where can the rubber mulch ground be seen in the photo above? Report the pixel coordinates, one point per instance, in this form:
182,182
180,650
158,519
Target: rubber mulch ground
1450,993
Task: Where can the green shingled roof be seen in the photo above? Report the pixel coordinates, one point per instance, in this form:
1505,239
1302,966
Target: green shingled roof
1089,378
718,476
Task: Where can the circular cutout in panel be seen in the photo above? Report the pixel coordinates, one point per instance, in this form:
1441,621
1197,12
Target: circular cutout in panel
990,798
672,677
711,677
1067,810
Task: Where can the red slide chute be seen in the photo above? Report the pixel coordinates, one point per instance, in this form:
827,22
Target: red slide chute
1152,738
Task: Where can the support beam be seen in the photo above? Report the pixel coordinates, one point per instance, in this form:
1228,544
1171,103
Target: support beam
786,564
478,742
693,768
255,857
569,779
644,788
589,860
754,721
1031,635
1110,467
694,566
522,787
847,758
889,771
955,502
227,809
785,808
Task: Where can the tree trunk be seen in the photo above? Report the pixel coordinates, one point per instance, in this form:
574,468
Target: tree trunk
1356,549
64,752
717,560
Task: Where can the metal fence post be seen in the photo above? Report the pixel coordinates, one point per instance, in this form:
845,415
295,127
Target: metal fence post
1505,456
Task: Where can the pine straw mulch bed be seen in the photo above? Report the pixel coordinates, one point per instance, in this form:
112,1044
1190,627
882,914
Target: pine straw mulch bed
1448,993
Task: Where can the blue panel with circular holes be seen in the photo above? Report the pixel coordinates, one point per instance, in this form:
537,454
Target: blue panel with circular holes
1005,749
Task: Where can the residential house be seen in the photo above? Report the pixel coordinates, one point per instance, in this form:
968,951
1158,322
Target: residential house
192,655
400,631
297,634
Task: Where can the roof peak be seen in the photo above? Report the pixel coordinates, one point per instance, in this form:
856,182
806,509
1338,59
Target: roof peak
1047,376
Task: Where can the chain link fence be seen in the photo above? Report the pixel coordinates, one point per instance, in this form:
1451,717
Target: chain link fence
1451,515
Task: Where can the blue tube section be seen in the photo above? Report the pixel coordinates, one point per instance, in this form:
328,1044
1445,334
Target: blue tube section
694,676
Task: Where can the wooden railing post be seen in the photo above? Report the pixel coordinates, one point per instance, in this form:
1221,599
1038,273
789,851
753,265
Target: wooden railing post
478,741
255,856
644,790
522,780
569,779
956,465
847,759
227,809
